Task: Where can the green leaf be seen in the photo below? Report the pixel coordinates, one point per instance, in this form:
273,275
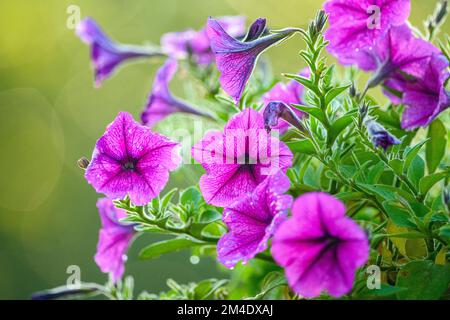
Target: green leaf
340,124
191,194
163,247
273,280
416,170
424,280
397,166
209,216
436,145
445,231
167,197
304,81
379,190
416,248
426,183
384,291
411,153
205,289
312,111
304,146
333,93
399,216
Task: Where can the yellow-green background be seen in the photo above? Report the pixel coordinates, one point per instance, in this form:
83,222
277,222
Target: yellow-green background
50,115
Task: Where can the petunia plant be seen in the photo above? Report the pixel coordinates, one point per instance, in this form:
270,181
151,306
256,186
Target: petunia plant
316,184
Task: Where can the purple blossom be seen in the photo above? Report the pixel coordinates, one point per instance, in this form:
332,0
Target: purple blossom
253,219
107,55
320,247
289,93
161,102
130,159
354,24
427,97
239,159
256,30
397,53
236,59
276,112
181,45
114,239
380,136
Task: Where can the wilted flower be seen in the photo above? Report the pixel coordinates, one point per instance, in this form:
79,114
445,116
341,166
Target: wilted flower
276,112
181,45
239,159
161,102
358,24
106,55
130,159
253,219
427,97
236,59
289,93
379,135
320,247
114,239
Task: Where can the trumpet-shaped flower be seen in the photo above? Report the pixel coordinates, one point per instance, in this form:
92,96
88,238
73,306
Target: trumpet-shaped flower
426,98
253,219
130,159
236,59
114,239
161,102
239,159
396,54
358,24
320,247
106,55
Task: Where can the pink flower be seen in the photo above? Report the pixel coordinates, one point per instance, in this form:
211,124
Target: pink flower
239,159
426,98
161,103
107,55
320,247
236,59
358,24
129,159
253,219
114,239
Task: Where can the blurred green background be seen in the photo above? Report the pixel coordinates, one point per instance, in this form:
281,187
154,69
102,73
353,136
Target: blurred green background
50,115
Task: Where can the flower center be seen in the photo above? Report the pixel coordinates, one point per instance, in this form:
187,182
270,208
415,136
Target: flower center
129,164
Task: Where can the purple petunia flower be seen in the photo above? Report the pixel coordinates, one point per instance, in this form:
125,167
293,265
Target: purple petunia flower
114,239
130,159
236,59
253,219
358,24
161,102
380,136
239,159
289,93
397,53
107,55
181,45
320,247
427,97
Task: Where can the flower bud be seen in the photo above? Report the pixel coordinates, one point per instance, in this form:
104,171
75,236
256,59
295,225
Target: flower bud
83,163
379,136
